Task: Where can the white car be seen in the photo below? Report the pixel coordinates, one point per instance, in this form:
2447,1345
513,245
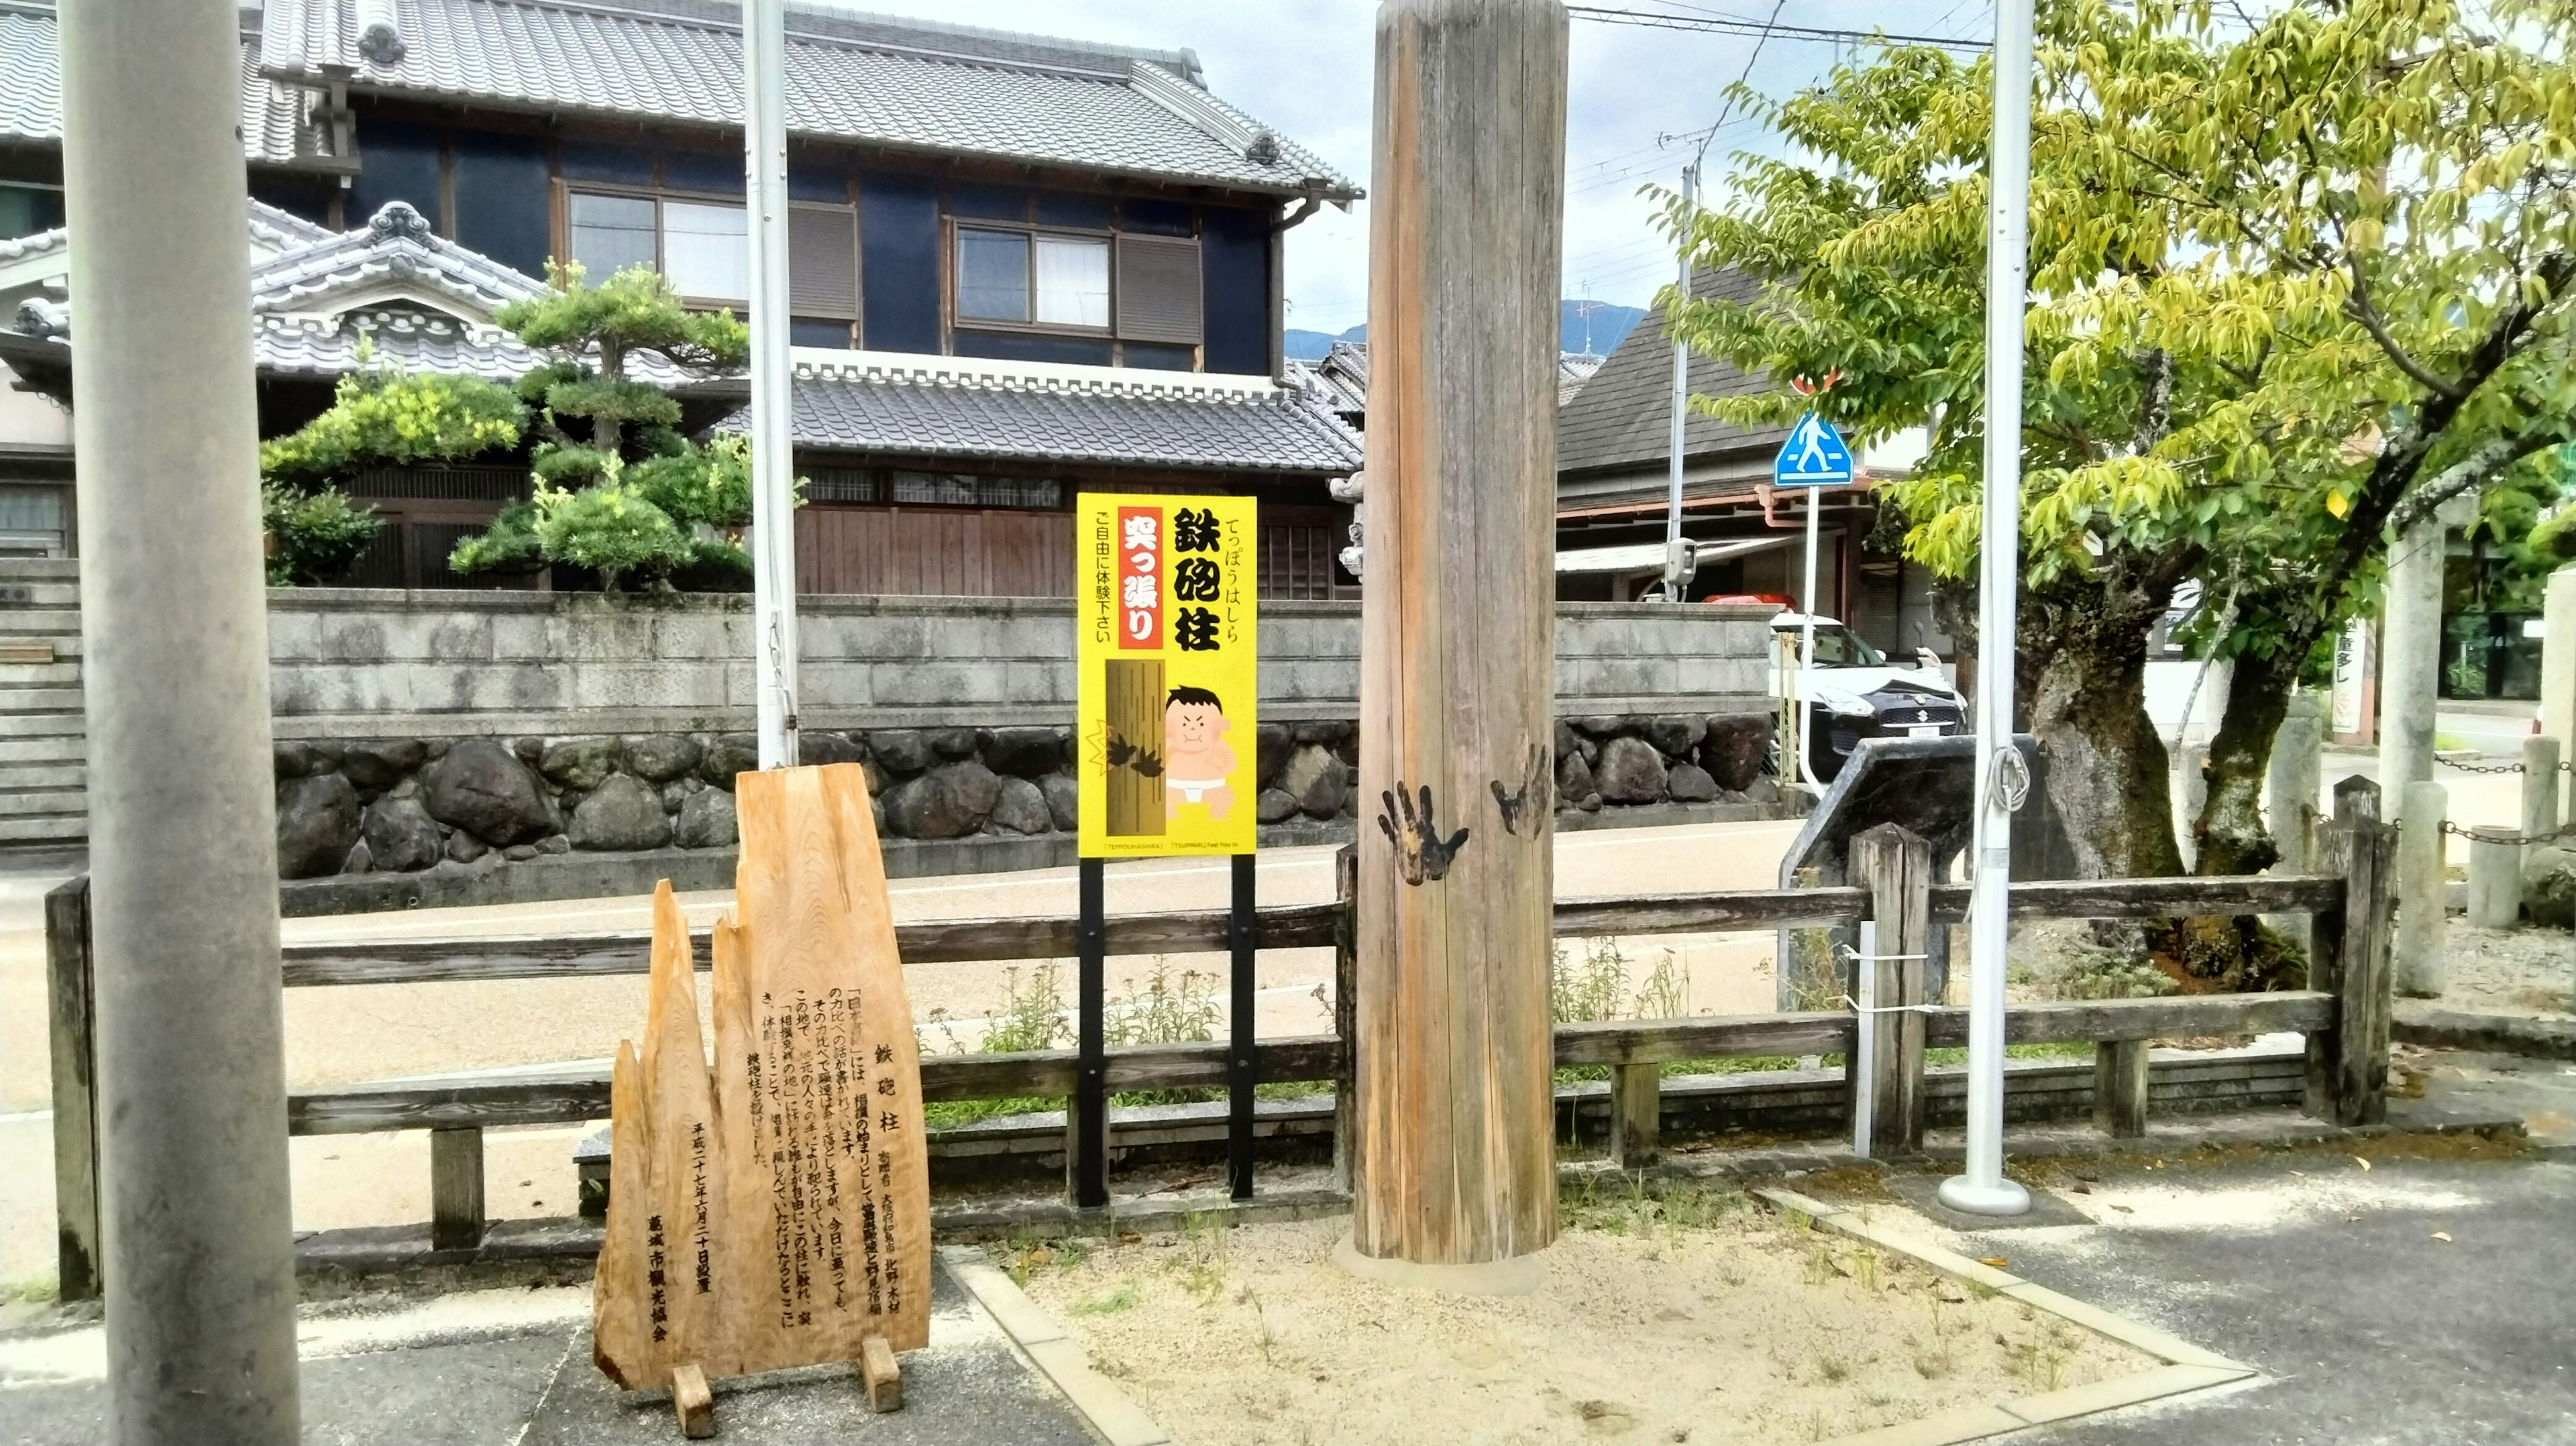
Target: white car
1852,691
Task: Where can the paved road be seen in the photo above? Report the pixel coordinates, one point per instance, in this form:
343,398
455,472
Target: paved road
2373,1331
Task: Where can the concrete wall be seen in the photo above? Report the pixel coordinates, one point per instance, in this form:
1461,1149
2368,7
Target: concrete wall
365,663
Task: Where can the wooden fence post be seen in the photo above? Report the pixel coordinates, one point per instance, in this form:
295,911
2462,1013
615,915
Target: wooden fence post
1457,1157
2365,977
1895,866
456,1188
1636,1114
2120,1088
73,1032
1346,954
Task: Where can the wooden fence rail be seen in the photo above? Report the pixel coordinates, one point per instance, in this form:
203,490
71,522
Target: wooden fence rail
2344,1016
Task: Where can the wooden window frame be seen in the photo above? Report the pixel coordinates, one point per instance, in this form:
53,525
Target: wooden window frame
565,190
1107,331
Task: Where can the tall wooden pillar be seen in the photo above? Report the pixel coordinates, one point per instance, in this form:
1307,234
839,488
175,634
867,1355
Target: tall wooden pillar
1455,1162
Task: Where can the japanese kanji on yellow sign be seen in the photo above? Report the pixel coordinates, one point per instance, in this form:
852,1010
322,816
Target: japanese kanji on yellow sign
1166,700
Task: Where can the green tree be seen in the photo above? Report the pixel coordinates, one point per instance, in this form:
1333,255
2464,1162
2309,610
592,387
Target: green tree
619,489
2254,256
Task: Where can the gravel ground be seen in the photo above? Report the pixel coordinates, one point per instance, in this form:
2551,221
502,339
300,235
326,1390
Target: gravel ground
2528,971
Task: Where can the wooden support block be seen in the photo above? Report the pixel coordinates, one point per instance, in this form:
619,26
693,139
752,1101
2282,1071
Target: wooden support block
1636,1110
1895,865
73,1036
2120,1088
884,1378
456,1188
693,1401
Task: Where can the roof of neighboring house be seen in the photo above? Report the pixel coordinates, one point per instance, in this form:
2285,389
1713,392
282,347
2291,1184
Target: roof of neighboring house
396,250
31,87
881,80
1340,379
271,231
1622,417
886,402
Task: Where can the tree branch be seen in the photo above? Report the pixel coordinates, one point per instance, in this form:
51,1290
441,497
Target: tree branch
2475,471
2356,304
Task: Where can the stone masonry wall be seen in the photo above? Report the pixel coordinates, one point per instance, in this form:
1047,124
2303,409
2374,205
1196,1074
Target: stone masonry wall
465,731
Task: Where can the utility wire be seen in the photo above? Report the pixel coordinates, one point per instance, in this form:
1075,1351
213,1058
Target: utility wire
1665,20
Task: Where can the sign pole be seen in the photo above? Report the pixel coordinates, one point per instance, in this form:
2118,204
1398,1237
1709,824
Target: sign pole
2001,776
1681,410
773,498
1087,1159
1241,1077
1807,639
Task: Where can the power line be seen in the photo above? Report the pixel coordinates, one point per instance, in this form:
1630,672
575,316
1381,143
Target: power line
1713,24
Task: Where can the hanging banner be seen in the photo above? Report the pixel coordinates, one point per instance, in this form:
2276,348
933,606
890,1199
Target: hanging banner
1166,694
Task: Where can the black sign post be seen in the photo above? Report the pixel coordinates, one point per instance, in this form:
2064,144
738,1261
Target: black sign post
1241,925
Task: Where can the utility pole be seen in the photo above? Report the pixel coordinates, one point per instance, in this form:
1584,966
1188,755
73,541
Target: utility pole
1454,1162
773,462
199,1260
1681,397
2002,778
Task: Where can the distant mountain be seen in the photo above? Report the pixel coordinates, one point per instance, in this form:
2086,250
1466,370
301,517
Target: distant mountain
1599,333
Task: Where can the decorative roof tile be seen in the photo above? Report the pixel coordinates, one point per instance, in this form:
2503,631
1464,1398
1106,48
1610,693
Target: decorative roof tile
885,81
397,245
947,407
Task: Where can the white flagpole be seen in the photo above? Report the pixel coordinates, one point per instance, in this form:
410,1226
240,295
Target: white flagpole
1982,1189
773,501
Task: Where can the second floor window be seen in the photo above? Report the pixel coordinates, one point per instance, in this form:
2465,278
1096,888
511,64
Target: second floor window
702,246
1032,278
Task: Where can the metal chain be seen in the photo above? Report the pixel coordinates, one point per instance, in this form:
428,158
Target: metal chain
2487,767
2470,833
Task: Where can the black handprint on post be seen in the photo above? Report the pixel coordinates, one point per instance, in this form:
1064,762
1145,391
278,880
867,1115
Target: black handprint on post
1420,854
1537,792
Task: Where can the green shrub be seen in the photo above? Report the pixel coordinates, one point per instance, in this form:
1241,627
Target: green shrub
313,535
384,416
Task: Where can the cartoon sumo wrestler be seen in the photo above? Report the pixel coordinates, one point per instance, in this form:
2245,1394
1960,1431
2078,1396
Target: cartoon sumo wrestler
1196,759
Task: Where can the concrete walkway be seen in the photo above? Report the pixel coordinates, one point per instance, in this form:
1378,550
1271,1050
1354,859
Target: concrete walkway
512,1367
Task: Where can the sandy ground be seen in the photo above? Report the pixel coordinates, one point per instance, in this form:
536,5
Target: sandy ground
1697,1318
2528,971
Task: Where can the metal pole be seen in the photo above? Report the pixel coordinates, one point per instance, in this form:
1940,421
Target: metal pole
182,836
1681,409
1807,644
1983,1190
773,500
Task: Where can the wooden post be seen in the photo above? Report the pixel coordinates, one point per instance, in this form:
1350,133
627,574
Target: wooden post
2355,797
2120,1088
1896,867
1456,1163
695,1404
73,1030
2365,979
1636,1114
1346,994
456,1188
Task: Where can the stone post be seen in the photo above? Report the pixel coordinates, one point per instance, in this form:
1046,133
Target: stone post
2291,789
2495,877
2539,790
2558,662
2420,968
2410,662
200,1268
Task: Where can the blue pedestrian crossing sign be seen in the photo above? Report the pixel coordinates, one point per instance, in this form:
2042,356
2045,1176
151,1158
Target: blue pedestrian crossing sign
1814,456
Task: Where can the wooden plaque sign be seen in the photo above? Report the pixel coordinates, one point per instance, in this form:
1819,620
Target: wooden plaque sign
773,1211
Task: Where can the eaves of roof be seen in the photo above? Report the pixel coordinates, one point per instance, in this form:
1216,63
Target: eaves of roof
1622,416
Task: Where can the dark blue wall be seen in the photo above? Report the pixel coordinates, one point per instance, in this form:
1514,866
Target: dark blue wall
501,191
899,264
1234,265
396,163
1015,346
598,161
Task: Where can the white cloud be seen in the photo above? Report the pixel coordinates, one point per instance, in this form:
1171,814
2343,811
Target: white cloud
1306,68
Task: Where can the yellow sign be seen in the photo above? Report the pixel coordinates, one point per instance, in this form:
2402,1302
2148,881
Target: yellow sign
1166,695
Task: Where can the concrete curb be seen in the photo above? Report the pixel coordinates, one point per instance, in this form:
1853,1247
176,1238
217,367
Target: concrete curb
1103,1407
2186,1369
2418,1022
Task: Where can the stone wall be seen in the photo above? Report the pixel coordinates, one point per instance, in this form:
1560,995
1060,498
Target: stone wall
458,733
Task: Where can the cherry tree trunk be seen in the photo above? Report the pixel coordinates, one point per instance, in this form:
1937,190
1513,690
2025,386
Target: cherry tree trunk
1454,1162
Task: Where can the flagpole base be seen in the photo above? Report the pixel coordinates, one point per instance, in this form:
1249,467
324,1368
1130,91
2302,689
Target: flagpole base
2004,1197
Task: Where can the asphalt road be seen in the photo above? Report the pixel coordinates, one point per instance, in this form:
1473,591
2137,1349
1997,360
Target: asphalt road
2373,1328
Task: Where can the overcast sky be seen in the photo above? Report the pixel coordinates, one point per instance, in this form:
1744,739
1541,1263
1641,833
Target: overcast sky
1303,68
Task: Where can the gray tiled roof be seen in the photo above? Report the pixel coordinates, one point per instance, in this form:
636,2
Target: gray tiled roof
31,88
880,80
307,346
1622,417
1341,378
931,411
396,244
270,227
